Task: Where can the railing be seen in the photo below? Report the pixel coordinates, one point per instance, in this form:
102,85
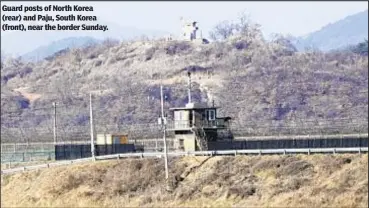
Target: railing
186,124
194,153
217,123
180,124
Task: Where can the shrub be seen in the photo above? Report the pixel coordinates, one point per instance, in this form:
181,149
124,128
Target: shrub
177,47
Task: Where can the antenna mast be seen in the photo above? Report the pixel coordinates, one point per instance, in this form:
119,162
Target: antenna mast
189,87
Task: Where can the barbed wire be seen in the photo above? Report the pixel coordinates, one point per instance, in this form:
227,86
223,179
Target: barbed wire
178,86
156,127
68,113
153,126
85,109
239,86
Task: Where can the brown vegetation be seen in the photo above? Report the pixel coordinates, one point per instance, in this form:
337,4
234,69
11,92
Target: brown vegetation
242,181
266,87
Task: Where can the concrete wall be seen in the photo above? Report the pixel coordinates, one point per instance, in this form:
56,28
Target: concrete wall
189,142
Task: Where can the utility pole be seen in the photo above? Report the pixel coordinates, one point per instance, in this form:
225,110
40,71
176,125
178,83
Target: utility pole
92,129
163,123
54,104
189,87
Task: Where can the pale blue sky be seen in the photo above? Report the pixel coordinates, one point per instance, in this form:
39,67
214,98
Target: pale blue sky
296,18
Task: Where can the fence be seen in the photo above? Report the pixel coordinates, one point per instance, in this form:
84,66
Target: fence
31,133
27,152
198,153
18,157
71,122
23,152
289,143
70,152
46,151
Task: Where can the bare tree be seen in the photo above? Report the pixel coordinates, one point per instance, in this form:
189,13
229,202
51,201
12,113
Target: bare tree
244,23
285,44
110,42
243,27
222,30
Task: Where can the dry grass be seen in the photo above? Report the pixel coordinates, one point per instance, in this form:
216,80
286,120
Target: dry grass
267,181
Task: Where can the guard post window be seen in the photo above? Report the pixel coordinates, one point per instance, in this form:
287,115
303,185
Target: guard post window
211,115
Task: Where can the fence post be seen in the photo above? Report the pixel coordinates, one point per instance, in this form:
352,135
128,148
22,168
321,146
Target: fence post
92,130
54,124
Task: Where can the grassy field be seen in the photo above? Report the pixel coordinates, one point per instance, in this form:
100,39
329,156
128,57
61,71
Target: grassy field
242,181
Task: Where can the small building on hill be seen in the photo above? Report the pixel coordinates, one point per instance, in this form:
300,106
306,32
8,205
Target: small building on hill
191,32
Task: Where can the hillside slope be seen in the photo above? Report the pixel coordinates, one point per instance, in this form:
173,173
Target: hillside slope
348,31
49,49
263,86
242,181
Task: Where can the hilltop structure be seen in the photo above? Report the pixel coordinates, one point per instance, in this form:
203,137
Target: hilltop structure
191,32
197,124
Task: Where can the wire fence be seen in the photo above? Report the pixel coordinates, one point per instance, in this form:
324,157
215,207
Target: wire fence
31,133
